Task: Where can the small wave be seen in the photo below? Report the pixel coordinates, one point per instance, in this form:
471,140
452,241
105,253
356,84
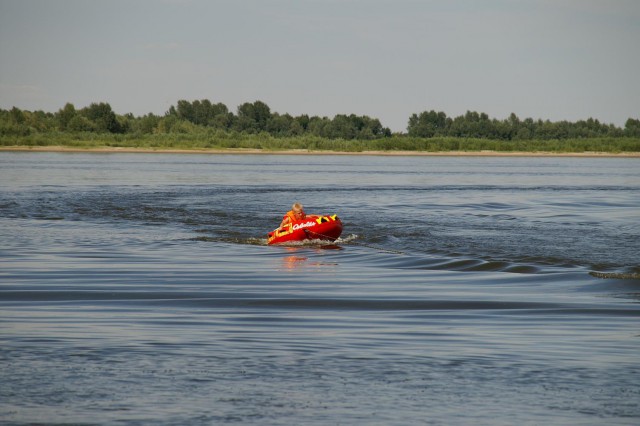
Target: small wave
477,265
205,239
311,243
347,239
253,241
351,239
616,275
282,304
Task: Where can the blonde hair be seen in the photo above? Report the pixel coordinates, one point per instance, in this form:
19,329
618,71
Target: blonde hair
297,207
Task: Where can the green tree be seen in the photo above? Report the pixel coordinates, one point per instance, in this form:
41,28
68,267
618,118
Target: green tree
40,121
103,117
80,123
17,116
303,121
632,128
166,123
280,125
427,124
253,117
317,126
185,110
341,127
295,129
146,124
203,113
65,115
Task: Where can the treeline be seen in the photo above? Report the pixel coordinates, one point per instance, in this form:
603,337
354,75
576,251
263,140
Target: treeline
431,124
188,118
204,118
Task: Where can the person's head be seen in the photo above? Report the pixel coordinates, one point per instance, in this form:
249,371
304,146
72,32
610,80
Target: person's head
297,209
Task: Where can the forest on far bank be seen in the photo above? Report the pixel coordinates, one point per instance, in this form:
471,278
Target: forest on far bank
203,123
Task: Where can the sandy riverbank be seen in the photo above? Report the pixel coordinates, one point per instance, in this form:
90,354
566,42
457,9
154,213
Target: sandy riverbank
308,152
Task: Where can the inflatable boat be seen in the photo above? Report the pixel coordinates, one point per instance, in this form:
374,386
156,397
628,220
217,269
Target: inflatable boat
312,227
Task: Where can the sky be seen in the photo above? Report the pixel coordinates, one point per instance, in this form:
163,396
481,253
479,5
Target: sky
388,59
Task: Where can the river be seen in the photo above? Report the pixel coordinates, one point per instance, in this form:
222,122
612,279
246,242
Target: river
137,288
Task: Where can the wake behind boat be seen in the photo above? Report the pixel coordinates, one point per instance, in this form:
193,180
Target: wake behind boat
312,227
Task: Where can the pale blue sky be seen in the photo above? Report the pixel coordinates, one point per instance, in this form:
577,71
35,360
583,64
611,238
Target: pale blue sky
555,59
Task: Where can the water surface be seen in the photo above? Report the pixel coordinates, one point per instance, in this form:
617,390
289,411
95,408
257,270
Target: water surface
138,289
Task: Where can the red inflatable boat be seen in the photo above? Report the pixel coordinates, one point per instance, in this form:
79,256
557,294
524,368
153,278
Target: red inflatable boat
312,227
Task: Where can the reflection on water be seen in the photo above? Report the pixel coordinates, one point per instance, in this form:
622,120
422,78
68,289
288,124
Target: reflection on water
303,262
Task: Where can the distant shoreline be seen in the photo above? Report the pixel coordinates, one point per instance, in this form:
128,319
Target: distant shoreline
484,153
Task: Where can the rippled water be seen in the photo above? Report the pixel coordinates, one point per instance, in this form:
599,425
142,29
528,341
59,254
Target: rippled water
138,289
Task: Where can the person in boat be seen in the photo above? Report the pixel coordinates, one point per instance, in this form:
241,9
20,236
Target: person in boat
296,213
